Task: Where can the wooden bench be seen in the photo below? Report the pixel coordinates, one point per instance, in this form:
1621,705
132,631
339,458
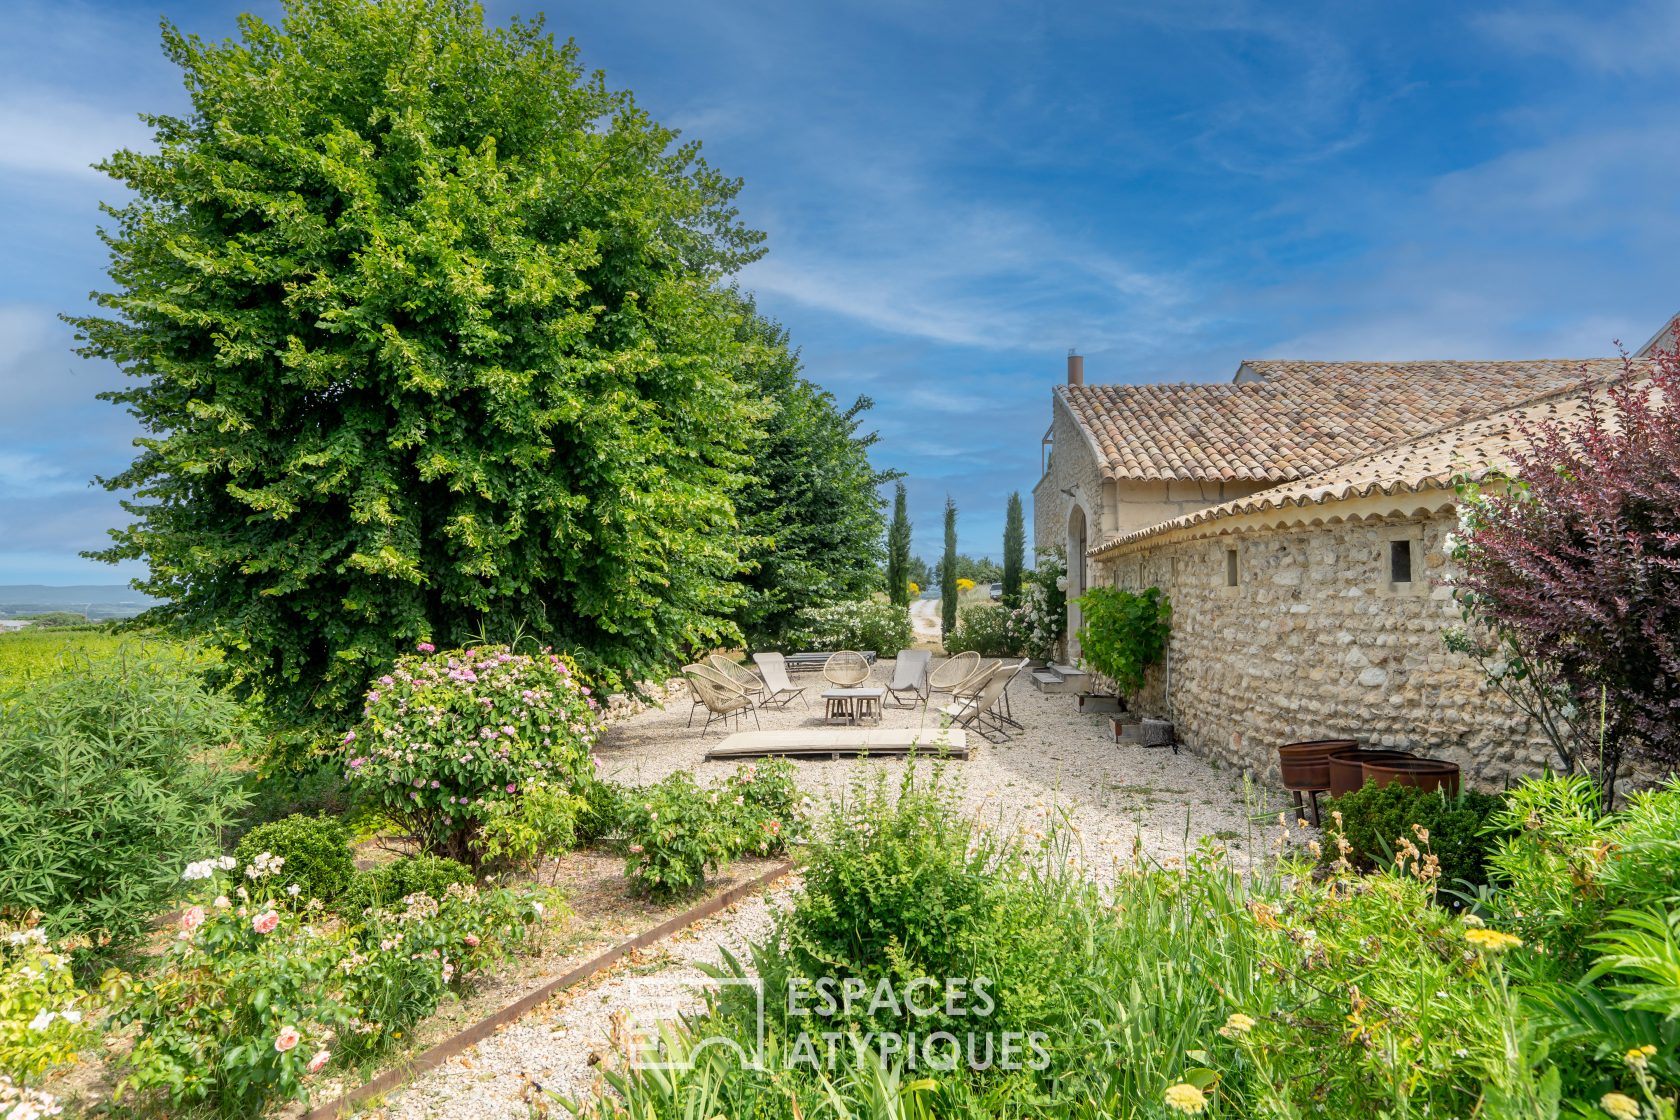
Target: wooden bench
813,662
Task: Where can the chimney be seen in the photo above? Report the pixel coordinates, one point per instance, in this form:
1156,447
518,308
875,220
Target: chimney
1076,369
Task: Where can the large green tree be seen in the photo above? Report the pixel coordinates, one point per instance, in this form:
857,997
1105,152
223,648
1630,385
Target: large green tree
811,506
1014,550
948,570
898,550
427,337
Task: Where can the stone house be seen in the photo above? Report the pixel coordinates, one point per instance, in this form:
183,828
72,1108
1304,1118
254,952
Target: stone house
1295,516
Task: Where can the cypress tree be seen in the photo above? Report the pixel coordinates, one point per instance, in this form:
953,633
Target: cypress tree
1014,550
898,551
948,570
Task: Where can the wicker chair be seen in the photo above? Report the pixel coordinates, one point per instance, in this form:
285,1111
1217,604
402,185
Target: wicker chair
947,675
979,710
717,694
744,678
846,669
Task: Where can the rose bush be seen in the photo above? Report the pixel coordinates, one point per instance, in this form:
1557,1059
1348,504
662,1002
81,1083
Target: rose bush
261,989
449,738
42,1016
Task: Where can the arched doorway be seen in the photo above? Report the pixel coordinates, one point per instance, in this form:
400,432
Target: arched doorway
1076,575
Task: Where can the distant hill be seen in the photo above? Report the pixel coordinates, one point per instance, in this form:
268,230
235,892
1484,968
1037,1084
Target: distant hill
97,601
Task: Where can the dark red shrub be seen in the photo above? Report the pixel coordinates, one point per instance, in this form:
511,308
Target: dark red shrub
1579,558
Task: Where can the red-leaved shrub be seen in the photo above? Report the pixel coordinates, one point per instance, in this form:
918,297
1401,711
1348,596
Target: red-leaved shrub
1579,559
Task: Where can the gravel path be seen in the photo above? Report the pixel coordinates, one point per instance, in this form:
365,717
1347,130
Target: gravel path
1119,799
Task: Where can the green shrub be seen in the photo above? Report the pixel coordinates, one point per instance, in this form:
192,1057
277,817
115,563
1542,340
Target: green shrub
316,851
1122,633
315,789
864,624
541,824
676,835
1564,865
602,815
389,883
1378,820
761,801
115,776
986,628
43,1018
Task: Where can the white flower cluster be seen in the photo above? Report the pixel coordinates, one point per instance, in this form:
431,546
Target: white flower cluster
44,1019
205,868
264,865
25,936
19,1102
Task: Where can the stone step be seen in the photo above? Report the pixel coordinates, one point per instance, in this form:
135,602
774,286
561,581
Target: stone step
1049,681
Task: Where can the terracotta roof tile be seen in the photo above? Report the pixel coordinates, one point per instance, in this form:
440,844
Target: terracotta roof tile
1299,418
1433,460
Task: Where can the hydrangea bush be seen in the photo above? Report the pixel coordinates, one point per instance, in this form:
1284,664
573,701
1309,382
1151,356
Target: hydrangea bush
863,624
449,738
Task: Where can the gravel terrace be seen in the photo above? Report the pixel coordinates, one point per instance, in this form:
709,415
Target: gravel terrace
1120,799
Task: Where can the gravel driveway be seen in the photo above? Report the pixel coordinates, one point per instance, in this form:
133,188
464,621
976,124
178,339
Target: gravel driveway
1119,799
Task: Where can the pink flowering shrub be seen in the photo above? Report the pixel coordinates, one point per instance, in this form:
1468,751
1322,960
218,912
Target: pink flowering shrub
1577,563
262,990
449,737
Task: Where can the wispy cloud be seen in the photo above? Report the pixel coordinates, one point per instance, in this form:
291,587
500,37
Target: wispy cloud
1633,39
43,133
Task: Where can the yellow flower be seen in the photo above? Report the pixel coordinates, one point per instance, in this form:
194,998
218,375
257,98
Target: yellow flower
1491,940
1237,1024
1639,1057
1620,1105
1185,1097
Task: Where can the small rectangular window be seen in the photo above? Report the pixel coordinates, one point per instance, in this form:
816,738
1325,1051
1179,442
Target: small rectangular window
1230,567
1399,561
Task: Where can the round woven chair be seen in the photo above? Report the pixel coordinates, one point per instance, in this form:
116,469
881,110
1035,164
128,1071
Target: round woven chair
948,674
846,669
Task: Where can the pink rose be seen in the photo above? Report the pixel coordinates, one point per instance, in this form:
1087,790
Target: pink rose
426,647
192,919
472,940
265,923
320,1059
287,1038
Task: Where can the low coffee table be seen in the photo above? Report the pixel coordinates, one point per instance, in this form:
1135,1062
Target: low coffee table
852,704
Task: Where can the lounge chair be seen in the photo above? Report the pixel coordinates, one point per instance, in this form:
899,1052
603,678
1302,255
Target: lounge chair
846,669
952,672
717,694
773,667
910,676
742,677
979,711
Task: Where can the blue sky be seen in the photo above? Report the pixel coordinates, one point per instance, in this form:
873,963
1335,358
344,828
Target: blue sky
956,193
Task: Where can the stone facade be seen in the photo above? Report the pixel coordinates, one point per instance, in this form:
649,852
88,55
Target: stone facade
1314,642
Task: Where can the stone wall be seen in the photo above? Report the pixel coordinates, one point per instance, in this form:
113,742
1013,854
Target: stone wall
1315,643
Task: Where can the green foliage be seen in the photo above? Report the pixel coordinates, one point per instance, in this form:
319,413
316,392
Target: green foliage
450,736
316,851
677,832
426,336
898,550
1378,820
54,619
258,996
867,624
28,655
1123,633
1566,865
676,835
810,508
43,1018
541,823
388,884
1237,991
602,813
1014,550
314,788
114,777
948,573
988,629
